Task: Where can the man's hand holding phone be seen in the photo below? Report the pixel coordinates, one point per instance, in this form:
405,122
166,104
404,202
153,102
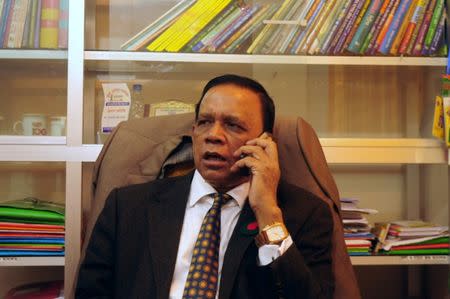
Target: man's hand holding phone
261,158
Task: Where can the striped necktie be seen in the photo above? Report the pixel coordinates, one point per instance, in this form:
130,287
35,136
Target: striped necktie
204,270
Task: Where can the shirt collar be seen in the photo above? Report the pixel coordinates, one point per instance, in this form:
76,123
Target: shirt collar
201,188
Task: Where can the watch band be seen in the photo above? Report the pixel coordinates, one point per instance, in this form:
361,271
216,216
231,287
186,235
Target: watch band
262,238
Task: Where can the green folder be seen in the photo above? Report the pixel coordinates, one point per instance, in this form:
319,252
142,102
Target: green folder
436,251
31,210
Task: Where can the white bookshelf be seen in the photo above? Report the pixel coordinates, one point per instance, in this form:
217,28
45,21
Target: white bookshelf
33,54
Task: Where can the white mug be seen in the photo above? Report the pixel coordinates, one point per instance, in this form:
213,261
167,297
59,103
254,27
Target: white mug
57,125
32,125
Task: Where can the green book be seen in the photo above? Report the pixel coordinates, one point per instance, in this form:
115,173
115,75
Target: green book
31,210
436,251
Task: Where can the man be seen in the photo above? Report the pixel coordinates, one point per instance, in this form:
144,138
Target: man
228,230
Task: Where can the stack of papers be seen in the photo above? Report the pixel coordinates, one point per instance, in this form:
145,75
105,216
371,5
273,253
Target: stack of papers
31,227
357,235
416,237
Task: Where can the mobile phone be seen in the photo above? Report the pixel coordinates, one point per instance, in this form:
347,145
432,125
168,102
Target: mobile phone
244,171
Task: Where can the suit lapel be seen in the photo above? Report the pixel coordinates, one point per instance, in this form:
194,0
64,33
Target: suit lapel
237,246
165,217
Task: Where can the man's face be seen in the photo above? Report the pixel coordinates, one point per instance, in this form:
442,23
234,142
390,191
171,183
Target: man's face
229,116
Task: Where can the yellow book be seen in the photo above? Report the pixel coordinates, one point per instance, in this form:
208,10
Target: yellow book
399,37
177,26
266,28
198,13
49,24
196,27
447,120
438,130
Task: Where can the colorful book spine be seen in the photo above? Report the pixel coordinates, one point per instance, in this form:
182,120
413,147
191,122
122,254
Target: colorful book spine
280,36
230,16
348,28
334,29
209,29
178,26
437,39
433,24
356,25
366,23
2,4
401,32
37,30
16,27
417,48
49,24
381,36
267,42
63,24
145,36
26,27
295,31
416,18
256,26
245,16
415,34
265,32
326,29
311,22
394,26
340,30
315,28
243,29
32,32
6,22
197,26
376,27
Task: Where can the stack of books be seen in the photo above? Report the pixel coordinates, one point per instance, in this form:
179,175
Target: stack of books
33,23
416,237
357,231
314,27
31,227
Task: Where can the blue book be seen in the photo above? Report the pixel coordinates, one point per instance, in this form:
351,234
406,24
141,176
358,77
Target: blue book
30,253
395,26
32,240
4,19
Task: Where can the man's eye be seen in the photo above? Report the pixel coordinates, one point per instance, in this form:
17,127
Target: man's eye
234,126
201,122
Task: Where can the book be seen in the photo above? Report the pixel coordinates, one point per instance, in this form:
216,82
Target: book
37,31
334,29
435,19
423,240
376,27
16,26
381,231
2,4
394,26
415,19
385,27
267,29
178,26
401,32
438,36
343,26
436,251
327,27
355,27
246,15
6,21
195,27
366,23
348,27
146,35
255,26
63,23
32,24
416,49
49,24
295,30
209,30
26,27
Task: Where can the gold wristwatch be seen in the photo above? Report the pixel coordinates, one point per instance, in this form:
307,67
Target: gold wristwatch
272,234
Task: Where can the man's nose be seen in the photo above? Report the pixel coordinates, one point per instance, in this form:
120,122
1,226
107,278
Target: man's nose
215,133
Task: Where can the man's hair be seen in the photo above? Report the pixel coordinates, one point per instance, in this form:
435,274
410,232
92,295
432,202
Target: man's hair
268,107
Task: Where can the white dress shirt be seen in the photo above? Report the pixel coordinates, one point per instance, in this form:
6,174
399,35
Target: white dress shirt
199,202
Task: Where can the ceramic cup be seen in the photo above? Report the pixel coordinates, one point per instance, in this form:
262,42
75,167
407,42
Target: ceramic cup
57,125
31,125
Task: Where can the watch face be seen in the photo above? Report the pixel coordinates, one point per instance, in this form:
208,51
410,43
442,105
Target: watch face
276,233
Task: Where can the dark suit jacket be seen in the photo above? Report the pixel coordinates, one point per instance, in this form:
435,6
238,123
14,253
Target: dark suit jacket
133,248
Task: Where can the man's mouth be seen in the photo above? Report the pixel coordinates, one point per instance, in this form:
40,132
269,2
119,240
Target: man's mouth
213,156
